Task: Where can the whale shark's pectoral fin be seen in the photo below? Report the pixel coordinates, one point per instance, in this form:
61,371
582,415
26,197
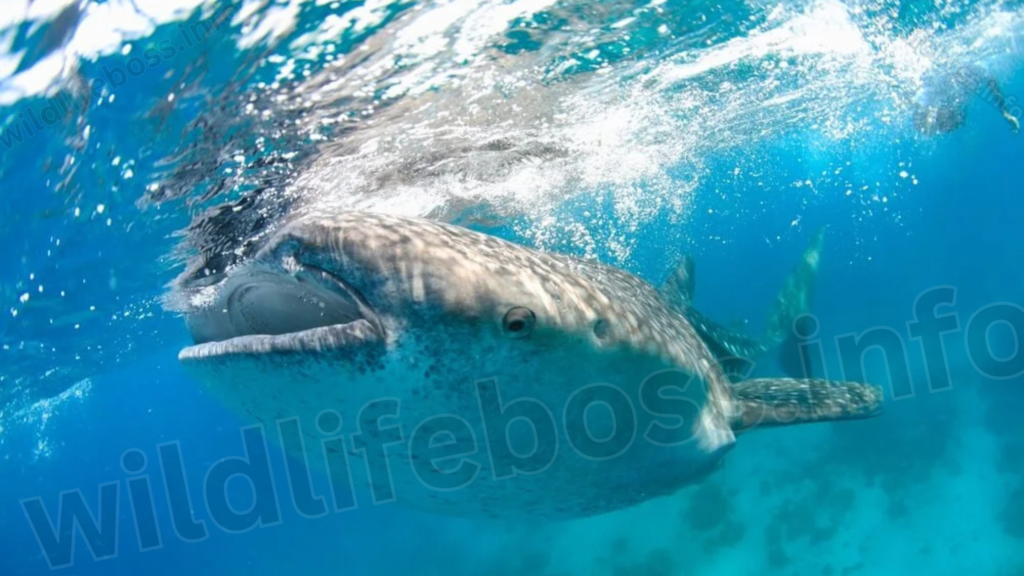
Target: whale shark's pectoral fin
678,289
784,401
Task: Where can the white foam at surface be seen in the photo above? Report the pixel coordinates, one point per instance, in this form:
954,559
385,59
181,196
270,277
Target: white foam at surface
37,416
103,30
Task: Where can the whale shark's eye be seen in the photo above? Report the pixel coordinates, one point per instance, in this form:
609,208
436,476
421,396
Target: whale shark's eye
518,322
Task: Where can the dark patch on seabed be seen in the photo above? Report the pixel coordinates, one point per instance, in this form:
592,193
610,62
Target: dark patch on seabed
658,562
900,452
710,511
897,454
1003,404
529,562
813,518
798,511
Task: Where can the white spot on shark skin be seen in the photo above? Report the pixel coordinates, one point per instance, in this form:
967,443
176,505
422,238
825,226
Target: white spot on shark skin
712,436
705,366
416,281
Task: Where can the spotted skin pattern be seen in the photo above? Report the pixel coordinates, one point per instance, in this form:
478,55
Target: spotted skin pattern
435,296
781,401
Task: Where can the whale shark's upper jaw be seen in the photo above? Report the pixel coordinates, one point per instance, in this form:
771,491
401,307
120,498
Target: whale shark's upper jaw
257,310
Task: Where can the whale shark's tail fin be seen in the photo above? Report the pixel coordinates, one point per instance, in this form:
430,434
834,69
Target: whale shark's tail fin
793,302
785,401
736,350
796,296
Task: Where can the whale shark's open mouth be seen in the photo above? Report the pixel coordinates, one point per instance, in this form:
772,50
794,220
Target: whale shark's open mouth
259,311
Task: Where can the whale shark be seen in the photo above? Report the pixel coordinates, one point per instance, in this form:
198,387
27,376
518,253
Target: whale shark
493,380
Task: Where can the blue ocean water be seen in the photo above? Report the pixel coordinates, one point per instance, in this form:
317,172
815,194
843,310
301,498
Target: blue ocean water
632,133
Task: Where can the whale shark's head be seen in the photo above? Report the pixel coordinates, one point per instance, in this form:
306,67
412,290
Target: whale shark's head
355,280
410,305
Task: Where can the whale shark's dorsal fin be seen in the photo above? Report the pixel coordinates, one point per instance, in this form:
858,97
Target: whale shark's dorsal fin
678,289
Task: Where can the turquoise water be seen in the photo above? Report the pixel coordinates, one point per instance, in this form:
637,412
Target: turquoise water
137,137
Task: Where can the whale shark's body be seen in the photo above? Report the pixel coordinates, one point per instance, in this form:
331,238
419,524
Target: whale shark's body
336,311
